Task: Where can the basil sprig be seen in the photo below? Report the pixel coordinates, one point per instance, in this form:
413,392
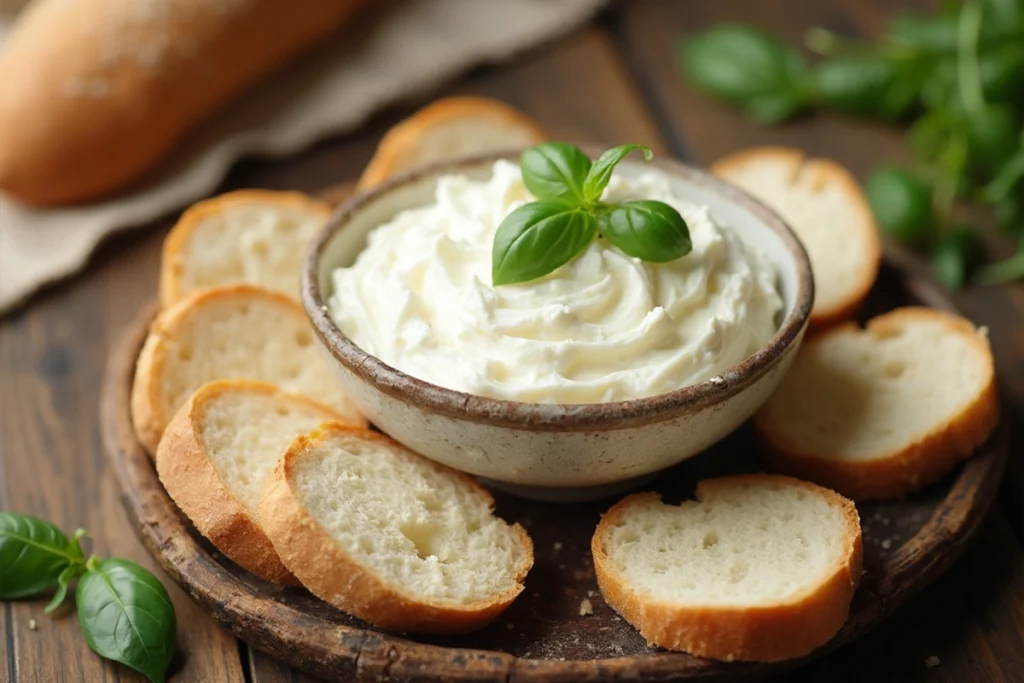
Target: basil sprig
539,237
124,611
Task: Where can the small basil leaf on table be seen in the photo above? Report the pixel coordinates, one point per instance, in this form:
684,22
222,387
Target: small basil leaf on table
33,554
749,68
648,230
537,238
868,83
127,616
993,134
955,257
555,170
1000,74
601,172
902,204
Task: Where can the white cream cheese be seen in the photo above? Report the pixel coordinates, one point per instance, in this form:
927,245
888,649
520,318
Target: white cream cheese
604,327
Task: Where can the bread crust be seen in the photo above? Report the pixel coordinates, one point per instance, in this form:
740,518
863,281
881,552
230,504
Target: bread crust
80,120
149,417
762,633
172,263
332,575
795,162
392,153
923,461
191,479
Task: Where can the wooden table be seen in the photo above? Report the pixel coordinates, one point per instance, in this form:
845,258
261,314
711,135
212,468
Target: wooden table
613,81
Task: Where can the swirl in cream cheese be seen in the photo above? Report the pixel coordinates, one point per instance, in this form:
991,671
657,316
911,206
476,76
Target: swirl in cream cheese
604,327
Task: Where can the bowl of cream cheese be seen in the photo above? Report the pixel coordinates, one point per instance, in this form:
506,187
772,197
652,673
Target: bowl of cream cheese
576,384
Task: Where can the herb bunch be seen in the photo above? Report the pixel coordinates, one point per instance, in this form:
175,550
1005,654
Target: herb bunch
539,237
956,76
124,611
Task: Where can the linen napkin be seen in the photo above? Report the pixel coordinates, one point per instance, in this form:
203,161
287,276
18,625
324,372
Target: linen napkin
392,50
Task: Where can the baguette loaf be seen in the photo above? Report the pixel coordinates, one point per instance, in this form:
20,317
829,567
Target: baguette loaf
391,537
758,568
236,332
216,456
249,236
883,411
94,92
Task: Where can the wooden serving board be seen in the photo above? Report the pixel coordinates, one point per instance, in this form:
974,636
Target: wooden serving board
544,637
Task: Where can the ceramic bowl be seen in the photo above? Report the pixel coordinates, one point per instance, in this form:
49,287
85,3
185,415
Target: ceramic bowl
557,451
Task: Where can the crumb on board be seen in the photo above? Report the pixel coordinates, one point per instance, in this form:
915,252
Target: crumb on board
586,607
557,546
887,543
32,625
590,594
931,662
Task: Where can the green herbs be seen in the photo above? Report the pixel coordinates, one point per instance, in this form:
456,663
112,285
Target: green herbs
541,236
957,76
124,611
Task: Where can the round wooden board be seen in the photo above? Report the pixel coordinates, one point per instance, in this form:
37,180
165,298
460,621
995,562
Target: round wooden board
543,636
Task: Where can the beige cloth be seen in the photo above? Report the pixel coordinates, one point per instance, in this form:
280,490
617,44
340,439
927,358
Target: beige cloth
393,51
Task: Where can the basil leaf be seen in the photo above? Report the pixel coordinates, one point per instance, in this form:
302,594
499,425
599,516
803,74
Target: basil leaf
999,71
127,616
934,34
555,170
33,553
749,68
601,172
902,204
955,257
993,134
646,229
537,238
868,84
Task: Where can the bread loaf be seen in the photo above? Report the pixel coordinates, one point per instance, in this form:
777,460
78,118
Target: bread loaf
94,92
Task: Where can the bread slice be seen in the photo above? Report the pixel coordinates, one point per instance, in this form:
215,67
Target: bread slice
882,411
758,568
391,537
217,454
234,332
249,236
826,208
446,129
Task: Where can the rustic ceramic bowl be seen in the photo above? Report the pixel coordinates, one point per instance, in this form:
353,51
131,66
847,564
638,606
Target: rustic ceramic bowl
557,451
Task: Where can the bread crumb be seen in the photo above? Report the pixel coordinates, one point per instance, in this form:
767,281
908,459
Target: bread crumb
32,625
887,543
586,607
556,547
931,662
590,594
717,380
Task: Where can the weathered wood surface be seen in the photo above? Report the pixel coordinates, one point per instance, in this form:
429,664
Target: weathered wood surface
613,82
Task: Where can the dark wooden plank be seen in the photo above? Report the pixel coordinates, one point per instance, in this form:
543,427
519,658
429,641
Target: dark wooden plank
266,669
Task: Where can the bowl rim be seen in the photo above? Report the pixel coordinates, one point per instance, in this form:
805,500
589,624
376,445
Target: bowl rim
565,417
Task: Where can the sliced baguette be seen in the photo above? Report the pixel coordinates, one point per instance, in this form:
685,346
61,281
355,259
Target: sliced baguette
235,332
249,236
446,129
217,454
826,208
758,568
883,411
391,537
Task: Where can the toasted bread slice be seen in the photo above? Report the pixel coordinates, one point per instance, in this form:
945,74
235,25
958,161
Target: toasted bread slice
758,568
217,454
234,332
391,537
883,411
446,129
249,236
826,208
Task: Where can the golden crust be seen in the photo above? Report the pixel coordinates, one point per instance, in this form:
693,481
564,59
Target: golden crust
794,162
923,462
192,481
395,147
175,246
756,633
331,574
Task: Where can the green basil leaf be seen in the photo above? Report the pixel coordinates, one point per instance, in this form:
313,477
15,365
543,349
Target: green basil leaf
127,616
33,553
69,574
955,257
994,135
601,172
646,229
1007,180
869,83
537,238
749,68
1000,73
555,170
935,34
902,204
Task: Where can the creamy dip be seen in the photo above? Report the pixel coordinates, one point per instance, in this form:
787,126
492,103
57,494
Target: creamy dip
603,327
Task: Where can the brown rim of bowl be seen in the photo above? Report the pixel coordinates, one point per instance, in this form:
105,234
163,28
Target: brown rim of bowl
555,417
